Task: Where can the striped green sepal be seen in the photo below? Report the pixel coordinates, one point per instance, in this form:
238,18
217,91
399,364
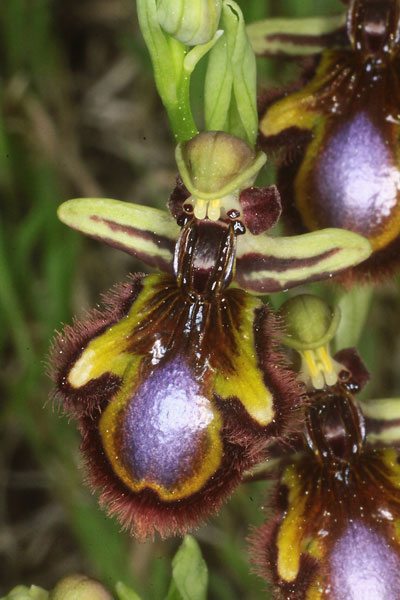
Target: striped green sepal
271,264
297,37
382,420
147,233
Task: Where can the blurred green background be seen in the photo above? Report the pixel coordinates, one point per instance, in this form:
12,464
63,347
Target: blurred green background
79,116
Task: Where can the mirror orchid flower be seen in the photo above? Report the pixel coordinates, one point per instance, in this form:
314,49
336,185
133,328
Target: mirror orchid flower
178,384
336,503
340,126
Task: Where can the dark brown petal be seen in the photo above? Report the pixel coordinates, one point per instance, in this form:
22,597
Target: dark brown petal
178,196
261,208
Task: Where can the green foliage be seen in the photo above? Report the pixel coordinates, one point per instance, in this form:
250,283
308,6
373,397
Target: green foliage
189,573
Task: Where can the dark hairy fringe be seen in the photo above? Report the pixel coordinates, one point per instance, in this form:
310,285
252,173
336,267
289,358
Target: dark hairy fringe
69,343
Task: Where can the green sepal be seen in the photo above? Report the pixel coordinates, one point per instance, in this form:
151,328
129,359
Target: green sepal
147,233
296,37
271,264
196,54
189,573
230,85
382,420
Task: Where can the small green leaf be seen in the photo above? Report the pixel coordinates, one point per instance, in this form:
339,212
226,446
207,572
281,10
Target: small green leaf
197,53
296,37
125,593
189,573
230,86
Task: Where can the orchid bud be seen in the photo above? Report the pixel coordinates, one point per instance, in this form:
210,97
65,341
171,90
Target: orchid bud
192,22
79,587
215,164
309,321
310,325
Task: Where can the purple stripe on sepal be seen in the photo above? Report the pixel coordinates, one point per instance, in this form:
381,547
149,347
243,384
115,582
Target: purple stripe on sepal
256,263
326,40
378,426
162,242
253,262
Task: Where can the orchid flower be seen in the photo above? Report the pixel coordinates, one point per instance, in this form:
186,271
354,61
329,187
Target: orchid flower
336,504
340,126
178,384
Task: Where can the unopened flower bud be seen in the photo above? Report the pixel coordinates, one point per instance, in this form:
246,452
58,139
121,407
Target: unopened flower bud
215,164
79,587
309,322
310,325
192,22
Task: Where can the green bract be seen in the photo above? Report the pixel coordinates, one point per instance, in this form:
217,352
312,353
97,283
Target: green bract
230,87
191,22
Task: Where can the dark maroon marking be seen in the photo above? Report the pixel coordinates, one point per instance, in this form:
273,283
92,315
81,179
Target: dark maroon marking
153,261
160,241
334,38
268,284
257,262
358,374
380,425
178,196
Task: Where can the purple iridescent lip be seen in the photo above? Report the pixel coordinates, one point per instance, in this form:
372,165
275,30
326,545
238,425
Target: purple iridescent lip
165,425
356,176
364,566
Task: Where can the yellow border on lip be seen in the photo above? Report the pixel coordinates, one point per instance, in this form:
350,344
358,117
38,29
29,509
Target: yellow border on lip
109,431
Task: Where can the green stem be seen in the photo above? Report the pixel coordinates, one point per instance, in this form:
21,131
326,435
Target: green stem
173,83
179,114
